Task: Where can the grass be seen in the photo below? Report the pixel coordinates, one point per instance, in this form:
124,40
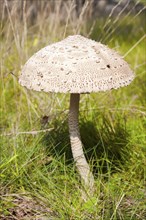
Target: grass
38,175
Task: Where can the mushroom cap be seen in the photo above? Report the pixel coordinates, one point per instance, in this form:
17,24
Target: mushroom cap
75,65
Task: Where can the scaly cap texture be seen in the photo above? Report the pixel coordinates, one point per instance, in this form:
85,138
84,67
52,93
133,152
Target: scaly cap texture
76,65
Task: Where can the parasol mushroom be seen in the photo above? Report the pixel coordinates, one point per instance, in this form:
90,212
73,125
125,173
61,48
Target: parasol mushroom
76,65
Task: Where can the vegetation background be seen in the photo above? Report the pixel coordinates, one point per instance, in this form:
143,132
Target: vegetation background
38,176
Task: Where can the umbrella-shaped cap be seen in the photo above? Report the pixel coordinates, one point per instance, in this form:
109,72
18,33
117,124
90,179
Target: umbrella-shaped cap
76,65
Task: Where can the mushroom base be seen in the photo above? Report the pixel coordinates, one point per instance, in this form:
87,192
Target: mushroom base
77,146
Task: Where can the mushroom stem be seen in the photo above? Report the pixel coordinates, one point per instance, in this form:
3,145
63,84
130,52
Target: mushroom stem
77,146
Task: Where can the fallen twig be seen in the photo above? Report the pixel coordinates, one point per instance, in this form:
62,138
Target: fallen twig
26,132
